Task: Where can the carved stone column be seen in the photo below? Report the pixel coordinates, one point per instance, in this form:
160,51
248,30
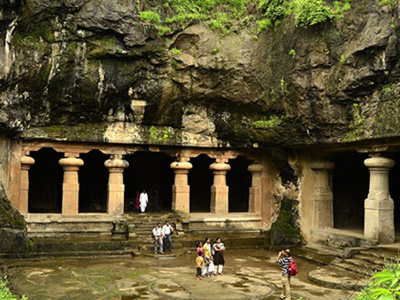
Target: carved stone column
116,188
70,198
219,190
322,194
181,188
256,188
26,163
379,207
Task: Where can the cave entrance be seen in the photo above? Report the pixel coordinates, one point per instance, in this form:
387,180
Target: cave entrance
200,180
93,180
239,181
350,189
149,171
45,182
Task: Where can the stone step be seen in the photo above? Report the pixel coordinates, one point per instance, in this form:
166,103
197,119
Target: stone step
377,261
340,238
349,267
331,277
364,265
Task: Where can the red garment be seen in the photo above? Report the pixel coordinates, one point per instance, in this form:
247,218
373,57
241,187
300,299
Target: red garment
137,203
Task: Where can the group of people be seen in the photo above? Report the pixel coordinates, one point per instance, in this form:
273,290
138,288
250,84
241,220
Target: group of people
210,259
162,237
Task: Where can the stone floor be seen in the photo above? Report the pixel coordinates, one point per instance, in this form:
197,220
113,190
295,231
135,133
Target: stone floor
249,274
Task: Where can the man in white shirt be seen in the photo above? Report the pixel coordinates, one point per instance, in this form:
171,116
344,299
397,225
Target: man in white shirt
158,238
143,200
167,231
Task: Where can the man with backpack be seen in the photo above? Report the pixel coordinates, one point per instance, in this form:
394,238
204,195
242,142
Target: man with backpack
289,269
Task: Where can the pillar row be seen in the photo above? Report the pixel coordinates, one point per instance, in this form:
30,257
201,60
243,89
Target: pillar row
116,188
219,190
379,206
322,194
181,188
26,163
255,193
70,197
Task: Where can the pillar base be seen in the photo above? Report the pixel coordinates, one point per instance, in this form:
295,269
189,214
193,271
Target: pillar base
379,220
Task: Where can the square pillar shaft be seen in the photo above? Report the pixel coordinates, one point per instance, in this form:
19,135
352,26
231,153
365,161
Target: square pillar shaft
26,163
255,192
116,188
219,190
322,194
181,189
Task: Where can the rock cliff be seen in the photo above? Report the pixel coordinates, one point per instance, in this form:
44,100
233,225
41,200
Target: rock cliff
84,69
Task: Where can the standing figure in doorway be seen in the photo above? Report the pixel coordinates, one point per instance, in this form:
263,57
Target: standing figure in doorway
156,199
143,199
137,202
167,231
219,261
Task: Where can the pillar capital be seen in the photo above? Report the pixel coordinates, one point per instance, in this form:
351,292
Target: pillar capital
27,160
71,162
255,168
220,167
181,166
378,162
116,163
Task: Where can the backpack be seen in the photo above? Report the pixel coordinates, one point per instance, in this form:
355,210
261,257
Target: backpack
292,269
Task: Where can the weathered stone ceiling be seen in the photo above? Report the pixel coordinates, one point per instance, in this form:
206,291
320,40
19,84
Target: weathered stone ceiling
75,62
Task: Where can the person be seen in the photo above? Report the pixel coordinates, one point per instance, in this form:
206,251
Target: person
137,202
211,268
143,199
158,238
284,258
218,248
167,231
156,199
199,263
207,255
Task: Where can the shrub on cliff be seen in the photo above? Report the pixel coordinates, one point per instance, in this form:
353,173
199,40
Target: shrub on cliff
5,293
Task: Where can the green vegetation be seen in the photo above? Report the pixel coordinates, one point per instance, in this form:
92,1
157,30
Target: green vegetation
357,125
227,16
5,293
272,122
383,285
390,3
343,59
292,53
175,51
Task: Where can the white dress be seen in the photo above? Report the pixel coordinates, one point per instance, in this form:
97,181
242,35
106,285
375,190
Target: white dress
143,199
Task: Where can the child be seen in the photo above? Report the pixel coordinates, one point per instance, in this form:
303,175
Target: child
199,263
211,268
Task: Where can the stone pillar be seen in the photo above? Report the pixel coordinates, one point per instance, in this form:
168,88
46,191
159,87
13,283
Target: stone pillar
181,188
255,189
322,216
70,198
379,207
219,190
116,188
26,163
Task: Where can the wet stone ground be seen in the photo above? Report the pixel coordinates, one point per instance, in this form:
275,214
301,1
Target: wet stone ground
248,274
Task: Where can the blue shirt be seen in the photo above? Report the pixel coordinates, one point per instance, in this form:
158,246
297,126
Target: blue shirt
285,262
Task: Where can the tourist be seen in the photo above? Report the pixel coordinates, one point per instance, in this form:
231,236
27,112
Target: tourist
199,263
285,262
167,231
207,255
158,238
143,199
211,268
218,249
